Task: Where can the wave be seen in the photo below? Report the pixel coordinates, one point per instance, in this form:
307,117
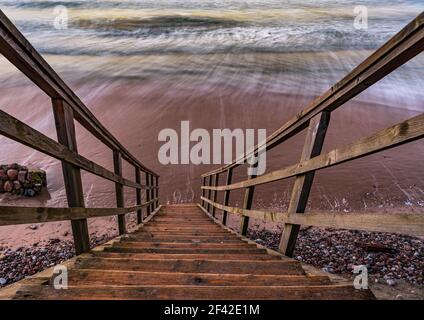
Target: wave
155,23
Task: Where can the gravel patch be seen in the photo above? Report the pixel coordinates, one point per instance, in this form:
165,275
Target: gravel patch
388,257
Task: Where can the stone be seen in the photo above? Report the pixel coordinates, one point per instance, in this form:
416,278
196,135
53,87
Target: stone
33,227
29,192
38,177
3,281
3,174
17,185
391,282
22,176
12,174
8,186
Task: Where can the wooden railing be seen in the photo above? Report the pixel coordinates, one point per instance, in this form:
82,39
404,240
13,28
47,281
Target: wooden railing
67,107
408,43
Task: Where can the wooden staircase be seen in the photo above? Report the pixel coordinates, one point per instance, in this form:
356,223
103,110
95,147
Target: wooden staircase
182,253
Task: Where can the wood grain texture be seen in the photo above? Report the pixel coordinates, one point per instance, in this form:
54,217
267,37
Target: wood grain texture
402,223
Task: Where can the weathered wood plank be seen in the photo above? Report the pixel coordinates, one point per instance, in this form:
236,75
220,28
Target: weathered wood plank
178,292
302,185
25,215
22,133
22,54
402,223
401,133
274,267
119,191
133,278
215,193
226,195
65,129
138,195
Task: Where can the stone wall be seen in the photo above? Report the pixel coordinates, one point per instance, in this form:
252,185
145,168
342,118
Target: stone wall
20,180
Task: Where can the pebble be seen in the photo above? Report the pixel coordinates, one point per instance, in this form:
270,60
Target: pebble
26,261
391,282
12,174
339,250
33,227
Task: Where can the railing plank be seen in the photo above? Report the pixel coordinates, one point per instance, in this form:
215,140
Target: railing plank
22,55
401,133
314,141
22,133
25,215
65,128
402,223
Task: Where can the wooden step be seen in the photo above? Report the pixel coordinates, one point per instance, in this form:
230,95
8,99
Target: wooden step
184,245
170,238
159,256
273,267
177,292
89,277
117,248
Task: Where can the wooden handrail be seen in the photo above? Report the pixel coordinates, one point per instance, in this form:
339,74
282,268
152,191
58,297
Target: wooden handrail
405,45
23,55
401,133
403,223
67,108
12,215
408,43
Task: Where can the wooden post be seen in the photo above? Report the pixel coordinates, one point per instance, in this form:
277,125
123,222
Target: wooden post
203,191
227,195
138,195
302,186
148,193
215,193
119,190
209,192
157,191
152,193
65,128
247,204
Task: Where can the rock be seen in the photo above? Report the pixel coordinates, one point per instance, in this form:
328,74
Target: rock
8,186
29,193
391,282
17,185
399,297
12,174
3,174
38,177
33,227
65,234
3,281
22,176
